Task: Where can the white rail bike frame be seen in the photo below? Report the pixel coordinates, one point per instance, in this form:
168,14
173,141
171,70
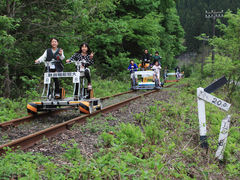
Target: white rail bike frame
77,79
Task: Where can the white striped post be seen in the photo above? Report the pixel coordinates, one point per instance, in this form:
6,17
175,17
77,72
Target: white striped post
202,120
222,140
203,96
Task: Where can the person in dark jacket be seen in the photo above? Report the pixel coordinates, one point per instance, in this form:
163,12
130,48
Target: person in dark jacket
157,58
132,68
145,58
84,53
56,54
177,72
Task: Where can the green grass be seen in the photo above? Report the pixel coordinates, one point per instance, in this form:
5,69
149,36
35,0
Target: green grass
16,108
164,145
104,88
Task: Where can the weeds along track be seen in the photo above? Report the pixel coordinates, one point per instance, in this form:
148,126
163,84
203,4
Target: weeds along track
48,115
16,129
26,135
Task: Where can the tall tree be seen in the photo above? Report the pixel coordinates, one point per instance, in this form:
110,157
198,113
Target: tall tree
8,25
227,49
192,17
116,31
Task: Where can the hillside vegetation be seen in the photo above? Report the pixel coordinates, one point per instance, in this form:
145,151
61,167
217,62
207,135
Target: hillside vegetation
161,139
115,30
160,142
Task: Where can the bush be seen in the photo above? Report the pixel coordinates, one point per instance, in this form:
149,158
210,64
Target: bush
130,135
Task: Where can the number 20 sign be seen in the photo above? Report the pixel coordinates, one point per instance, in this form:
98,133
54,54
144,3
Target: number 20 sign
212,99
202,97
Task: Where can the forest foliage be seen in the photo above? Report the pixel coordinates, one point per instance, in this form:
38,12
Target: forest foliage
115,30
227,58
160,142
192,17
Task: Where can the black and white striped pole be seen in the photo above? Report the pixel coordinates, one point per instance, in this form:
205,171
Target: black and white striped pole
202,120
222,140
203,95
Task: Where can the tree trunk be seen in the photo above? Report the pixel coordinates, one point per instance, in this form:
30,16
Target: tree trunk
7,81
10,5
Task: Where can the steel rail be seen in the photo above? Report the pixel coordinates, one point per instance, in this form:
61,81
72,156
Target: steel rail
16,122
115,95
30,140
168,81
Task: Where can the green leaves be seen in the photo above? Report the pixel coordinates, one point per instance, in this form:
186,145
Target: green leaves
107,139
21,165
166,146
6,40
227,48
130,135
117,31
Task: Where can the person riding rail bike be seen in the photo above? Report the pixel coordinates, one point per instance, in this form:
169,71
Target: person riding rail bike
54,55
145,60
133,68
84,54
177,72
156,57
156,77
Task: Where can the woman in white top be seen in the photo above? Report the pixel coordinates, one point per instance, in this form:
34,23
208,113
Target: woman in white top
157,68
56,54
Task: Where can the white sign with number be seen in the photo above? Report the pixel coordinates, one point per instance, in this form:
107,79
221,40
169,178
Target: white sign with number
76,78
47,80
212,99
202,97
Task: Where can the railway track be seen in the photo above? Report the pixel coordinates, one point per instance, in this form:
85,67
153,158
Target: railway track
16,122
30,140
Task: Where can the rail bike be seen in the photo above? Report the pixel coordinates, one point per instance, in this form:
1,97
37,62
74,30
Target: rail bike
82,98
173,77
145,80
